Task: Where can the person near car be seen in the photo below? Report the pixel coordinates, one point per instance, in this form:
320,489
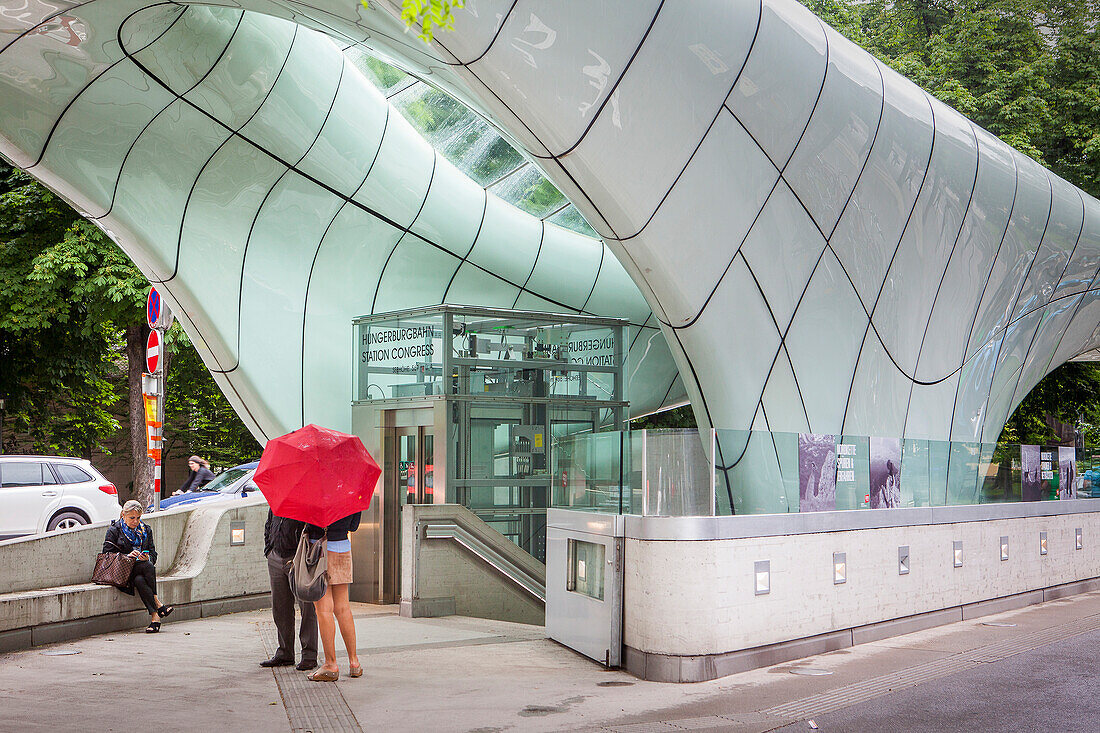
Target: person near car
198,474
281,538
334,609
131,536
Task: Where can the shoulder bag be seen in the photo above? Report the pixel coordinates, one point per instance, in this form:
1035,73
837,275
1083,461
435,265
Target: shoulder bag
113,568
307,569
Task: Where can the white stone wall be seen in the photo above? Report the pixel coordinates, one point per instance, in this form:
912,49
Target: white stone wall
697,597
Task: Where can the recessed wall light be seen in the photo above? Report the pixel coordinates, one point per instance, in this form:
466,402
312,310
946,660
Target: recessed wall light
762,572
840,568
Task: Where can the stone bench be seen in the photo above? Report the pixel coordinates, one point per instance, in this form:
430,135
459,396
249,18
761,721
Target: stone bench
198,571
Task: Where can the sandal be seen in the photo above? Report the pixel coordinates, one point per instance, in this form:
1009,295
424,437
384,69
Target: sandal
356,670
164,611
324,675
153,627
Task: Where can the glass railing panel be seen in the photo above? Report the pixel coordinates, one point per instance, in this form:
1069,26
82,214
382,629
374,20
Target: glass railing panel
1000,474
915,473
939,457
678,473
963,470
669,473
588,473
786,448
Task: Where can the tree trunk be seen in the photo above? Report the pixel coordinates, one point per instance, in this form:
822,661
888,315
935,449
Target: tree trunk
142,489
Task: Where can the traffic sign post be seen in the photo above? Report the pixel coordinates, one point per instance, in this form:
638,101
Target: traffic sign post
159,318
157,313
152,352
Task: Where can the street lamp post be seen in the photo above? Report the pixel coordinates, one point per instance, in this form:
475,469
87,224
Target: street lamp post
1,426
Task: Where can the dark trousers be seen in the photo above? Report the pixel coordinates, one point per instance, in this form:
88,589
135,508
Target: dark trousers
282,611
144,578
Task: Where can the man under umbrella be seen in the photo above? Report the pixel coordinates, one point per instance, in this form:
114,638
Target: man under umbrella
280,541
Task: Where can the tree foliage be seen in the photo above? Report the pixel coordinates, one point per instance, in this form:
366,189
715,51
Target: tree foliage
428,15
63,287
70,299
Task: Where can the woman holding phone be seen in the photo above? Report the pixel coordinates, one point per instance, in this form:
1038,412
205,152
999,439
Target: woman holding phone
130,536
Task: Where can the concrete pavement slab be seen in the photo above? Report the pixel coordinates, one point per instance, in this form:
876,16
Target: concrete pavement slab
463,674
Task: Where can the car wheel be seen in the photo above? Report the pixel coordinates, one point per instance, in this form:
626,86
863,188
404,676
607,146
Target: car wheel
66,520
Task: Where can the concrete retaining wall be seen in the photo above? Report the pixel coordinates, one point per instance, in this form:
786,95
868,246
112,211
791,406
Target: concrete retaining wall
440,578
46,596
692,611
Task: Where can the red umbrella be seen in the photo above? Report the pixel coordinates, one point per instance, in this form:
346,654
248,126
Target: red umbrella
317,475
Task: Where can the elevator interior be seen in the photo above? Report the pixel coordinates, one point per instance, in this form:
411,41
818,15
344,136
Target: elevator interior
463,404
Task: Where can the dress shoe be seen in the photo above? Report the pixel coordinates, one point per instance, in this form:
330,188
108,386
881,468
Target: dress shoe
276,662
304,666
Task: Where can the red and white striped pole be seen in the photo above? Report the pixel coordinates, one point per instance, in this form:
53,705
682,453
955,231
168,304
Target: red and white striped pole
159,317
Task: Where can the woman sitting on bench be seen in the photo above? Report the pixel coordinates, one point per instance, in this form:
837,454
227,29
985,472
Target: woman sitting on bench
130,536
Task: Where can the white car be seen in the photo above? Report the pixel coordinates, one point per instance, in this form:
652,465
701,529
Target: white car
44,493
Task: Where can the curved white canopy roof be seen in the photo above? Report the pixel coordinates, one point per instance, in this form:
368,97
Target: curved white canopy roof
825,247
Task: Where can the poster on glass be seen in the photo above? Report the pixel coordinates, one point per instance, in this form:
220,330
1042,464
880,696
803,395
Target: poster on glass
816,472
1030,478
1067,472
885,473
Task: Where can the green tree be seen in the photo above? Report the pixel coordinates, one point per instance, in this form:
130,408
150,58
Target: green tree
72,343
63,286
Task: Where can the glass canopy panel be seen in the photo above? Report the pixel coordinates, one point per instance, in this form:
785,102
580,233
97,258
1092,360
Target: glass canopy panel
570,218
529,190
461,136
381,74
470,143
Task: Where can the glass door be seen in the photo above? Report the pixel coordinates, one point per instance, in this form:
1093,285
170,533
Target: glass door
409,478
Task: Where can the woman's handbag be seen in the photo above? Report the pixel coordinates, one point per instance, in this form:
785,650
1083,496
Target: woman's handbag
113,568
307,569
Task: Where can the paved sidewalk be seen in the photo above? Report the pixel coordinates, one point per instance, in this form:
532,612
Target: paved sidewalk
462,674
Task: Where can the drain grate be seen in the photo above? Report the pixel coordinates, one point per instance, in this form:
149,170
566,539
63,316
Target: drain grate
312,707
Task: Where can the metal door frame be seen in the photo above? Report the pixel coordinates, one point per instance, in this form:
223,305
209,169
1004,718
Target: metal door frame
397,423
